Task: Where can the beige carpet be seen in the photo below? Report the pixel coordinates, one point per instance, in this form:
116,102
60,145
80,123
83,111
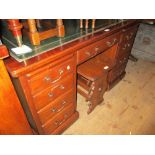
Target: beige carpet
129,108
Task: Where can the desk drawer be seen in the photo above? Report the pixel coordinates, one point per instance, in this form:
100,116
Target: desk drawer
97,47
48,75
56,106
51,93
58,120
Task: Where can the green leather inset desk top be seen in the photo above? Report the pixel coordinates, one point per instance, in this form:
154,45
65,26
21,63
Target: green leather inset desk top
72,32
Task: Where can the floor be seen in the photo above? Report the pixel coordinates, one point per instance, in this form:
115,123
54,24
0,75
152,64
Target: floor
129,108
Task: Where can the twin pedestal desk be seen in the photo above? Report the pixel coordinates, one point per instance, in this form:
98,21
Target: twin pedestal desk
46,84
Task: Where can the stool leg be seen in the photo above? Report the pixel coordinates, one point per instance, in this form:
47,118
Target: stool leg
15,26
60,28
96,94
38,23
93,23
81,23
86,24
34,35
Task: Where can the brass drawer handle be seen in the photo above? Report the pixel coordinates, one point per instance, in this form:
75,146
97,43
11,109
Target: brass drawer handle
111,43
57,123
128,45
131,34
68,67
124,48
61,71
62,87
127,37
56,79
50,95
47,78
96,49
125,59
88,53
58,110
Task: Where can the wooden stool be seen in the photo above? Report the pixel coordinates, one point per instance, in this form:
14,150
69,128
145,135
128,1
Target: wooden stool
92,79
31,28
36,36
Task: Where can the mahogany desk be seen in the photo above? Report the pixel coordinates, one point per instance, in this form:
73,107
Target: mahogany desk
45,80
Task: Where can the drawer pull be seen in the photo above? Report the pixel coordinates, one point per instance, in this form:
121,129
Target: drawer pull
61,71
63,102
68,67
54,110
50,95
58,110
62,87
96,49
56,79
111,43
131,34
57,123
124,48
88,53
127,37
47,78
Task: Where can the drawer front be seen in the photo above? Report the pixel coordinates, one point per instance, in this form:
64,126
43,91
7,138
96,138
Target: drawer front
51,93
116,72
122,59
130,33
58,120
97,47
56,106
50,75
126,43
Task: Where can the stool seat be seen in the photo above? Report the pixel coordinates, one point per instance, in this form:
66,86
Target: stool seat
94,68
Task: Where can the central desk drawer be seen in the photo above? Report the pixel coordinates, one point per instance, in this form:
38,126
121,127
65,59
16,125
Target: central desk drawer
43,98
96,48
56,106
47,76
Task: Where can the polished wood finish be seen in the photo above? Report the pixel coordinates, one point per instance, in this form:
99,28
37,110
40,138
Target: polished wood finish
93,49
33,33
12,116
87,23
93,23
15,26
56,106
3,52
47,92
92,76
124,50
26,75
36,36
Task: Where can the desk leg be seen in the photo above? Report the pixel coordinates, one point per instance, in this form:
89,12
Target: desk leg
34,35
